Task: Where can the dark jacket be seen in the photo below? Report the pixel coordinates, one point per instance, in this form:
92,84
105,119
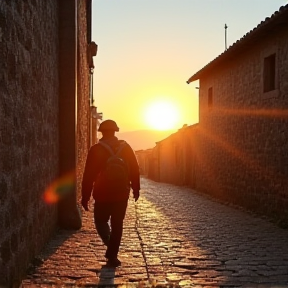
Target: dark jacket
95,163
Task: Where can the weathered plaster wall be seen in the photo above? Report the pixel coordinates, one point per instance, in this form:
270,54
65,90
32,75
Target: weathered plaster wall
28,130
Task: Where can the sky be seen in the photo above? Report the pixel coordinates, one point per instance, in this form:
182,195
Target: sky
147,50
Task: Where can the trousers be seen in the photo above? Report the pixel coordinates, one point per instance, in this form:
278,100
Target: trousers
110,235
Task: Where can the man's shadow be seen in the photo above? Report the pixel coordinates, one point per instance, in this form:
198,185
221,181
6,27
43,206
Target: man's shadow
107,275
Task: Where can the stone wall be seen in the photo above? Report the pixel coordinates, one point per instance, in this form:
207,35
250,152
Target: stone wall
83,93
238,151
242,142
171,159
28,130
176,159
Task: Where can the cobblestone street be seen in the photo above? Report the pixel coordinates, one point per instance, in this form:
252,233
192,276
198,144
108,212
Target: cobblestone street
173,237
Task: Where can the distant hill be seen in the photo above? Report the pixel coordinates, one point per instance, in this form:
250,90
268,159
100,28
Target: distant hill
144,139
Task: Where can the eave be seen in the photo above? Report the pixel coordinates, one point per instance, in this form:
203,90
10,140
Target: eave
272,24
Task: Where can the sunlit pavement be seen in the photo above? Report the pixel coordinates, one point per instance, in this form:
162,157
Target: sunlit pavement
173,237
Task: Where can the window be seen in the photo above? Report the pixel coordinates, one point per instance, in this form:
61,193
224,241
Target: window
269,73
210,97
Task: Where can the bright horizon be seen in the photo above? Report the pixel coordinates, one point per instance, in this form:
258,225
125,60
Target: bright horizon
148,49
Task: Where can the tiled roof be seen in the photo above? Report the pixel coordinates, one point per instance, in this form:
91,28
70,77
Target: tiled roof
277,20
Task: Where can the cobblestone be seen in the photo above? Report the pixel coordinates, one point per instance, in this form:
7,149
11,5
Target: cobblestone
173,237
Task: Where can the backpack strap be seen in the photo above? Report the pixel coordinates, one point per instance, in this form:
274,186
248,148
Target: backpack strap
121,146
118,152
107,147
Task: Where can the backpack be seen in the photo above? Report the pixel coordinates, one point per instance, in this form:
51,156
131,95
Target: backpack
115,175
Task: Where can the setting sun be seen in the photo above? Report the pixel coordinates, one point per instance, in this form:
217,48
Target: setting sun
162,115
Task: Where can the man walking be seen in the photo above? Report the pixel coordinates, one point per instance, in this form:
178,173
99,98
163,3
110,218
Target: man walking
111,170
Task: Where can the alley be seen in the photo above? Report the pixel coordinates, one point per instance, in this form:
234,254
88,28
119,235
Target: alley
172,236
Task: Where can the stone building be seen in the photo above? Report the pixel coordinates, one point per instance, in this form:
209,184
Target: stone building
143,161
239,150
175,157
46,54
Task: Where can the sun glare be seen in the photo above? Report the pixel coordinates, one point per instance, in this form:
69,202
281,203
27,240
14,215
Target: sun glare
162,115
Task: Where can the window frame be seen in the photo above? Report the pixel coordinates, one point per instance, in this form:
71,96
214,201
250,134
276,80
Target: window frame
265,55
269,73
210,97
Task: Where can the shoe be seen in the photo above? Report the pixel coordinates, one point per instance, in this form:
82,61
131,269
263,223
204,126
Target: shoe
114,262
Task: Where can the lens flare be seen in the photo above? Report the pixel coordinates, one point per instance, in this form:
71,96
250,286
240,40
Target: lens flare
59,188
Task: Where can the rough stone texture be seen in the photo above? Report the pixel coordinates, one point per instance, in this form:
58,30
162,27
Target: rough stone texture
238,151
28,130
83,90
242,140
173,237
